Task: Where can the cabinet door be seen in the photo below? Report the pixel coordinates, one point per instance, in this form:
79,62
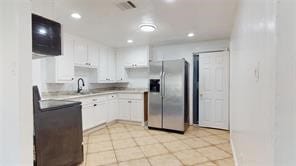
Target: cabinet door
93,54
65,63
103,67
87,117
124,109
101,113
80,52
121,74
112,110
137,110
111,65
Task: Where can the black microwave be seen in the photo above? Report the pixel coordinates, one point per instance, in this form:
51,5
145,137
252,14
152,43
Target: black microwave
46,36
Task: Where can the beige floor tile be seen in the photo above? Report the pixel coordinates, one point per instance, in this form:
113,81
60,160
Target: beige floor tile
195,143
165,160
139,162
182,136
137,134
82,164
100,132
215,140
146,140
126,143
165,138
206,164
190,157
213,153
201,133
216,131
156,132
225,136
100,146
226,147
102,158
176,146
225,162
153,150
129,154
117,130
135,128
98,138
116,125
120,136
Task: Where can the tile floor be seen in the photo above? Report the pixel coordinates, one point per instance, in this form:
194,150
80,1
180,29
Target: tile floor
126,144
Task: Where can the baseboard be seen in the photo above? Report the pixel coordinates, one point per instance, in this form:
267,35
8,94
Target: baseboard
234,154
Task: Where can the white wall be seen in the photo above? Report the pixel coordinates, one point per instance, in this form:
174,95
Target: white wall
252,83
16,113
178,51
285,115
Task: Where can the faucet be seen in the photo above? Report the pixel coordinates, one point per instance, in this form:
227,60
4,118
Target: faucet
79,89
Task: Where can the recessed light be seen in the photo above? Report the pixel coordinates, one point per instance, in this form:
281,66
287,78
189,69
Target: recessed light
147,27
130,41
190,34
76,15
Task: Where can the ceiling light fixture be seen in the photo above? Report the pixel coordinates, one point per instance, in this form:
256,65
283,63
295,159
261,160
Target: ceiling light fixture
130,41
76,15
147,27
190,34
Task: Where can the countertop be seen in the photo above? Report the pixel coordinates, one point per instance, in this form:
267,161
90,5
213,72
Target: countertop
66,96
49,105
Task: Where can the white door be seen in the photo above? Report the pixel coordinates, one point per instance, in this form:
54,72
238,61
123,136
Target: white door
124,109
214,90
137,111
101,113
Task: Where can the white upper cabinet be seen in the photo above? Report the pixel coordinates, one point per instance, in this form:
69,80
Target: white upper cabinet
93,54
134,57
106,71
60,69
86,53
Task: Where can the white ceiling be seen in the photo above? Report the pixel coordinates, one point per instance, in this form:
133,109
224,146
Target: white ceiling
103,21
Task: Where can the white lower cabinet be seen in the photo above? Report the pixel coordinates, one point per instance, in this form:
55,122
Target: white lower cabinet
137,113
106,108
88,119
124,109
112,110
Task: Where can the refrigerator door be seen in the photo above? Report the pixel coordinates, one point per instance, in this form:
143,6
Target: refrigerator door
155,95
173,94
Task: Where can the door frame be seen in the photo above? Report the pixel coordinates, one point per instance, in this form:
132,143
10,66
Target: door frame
195,83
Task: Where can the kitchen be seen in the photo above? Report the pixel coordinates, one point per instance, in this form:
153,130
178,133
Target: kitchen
147,82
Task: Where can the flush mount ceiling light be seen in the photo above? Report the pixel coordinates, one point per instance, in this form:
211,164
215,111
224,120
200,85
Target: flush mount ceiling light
190,34
147,27
130,41
76,15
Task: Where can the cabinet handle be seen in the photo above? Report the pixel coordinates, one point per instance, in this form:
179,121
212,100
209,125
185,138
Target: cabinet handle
95,105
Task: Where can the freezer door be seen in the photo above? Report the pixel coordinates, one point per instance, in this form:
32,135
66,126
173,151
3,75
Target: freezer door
173,94
155,95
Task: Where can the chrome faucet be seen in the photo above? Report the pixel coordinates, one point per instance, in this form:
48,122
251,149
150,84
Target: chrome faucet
79,89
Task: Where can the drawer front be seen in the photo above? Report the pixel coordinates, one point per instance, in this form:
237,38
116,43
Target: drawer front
131,96
91,100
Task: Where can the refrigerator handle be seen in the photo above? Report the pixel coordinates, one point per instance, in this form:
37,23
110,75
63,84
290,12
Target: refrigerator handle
160,83
163,81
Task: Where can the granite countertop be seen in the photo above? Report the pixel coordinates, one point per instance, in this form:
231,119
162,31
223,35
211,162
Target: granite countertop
73,95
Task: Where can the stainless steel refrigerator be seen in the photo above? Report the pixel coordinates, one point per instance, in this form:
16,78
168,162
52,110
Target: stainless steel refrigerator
168,95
